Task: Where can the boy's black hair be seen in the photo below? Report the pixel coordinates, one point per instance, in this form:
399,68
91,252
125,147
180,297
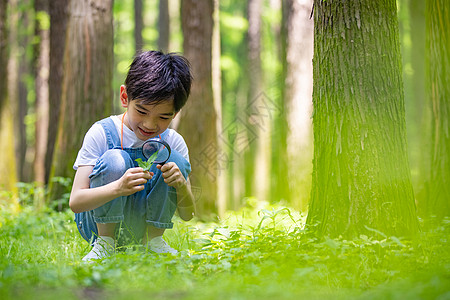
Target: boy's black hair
154,76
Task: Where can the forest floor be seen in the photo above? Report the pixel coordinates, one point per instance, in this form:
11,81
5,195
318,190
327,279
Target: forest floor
256,253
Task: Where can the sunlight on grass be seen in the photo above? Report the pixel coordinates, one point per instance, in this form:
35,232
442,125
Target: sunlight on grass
258,252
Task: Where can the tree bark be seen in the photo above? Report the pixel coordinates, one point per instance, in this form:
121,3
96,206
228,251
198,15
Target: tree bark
298,98
8,173
418,25
41,69
88,69
361,178
163,25
58,28
24,146
138,25
438,42
411,15
420,107
198,120
3,55
217,95
256,157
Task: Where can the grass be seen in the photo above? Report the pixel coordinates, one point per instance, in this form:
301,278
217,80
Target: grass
256,253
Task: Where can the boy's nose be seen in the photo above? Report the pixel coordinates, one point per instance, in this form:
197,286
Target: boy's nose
149,125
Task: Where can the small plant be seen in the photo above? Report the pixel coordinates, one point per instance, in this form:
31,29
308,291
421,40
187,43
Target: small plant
146,165
245,255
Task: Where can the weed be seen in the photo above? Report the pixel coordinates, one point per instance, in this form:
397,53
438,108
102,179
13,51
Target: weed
265,253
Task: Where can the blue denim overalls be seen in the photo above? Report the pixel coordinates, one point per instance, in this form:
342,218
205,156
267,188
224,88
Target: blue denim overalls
155,205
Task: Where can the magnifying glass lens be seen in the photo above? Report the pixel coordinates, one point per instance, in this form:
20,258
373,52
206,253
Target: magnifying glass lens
159,150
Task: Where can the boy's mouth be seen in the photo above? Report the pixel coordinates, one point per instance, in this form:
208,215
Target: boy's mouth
146,133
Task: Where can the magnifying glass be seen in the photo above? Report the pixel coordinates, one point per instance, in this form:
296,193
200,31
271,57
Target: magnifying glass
159,151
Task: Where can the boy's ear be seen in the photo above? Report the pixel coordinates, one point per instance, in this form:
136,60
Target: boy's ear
123,96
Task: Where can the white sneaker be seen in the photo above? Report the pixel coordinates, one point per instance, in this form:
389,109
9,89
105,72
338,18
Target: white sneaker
159,245
103,247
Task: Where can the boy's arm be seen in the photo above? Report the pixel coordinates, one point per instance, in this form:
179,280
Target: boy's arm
83,198
186,206
173,177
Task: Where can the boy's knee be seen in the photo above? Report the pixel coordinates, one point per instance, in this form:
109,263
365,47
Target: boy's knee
119,158
113,163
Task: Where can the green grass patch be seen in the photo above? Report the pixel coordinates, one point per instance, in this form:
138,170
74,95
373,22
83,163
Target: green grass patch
256,253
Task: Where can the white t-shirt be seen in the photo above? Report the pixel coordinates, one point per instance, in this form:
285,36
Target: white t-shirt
95,143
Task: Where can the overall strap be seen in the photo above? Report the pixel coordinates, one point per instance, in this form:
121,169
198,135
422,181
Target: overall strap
165,134
112,136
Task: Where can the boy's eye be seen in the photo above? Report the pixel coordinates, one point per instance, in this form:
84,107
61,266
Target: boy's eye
141,112
164,118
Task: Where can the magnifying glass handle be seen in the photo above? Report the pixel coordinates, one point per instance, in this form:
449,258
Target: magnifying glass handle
168,150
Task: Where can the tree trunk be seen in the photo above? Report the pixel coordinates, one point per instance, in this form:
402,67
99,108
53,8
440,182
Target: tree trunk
419,117
256,158
88,66
9,128
41,67
8,173
418,26
418,110
438,42
3,55
298,98
58,27
198,120
163,25
361,178
24,146
138,25
279,188
217,96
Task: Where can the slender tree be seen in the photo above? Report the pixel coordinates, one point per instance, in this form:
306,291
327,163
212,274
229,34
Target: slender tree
3,54
8,173
217,95
198,119
164,25
88,67
418,112
361,178
10,131
24,144
41,71
257,155
411,14
138,25
417,26
438,46
297,95
58,28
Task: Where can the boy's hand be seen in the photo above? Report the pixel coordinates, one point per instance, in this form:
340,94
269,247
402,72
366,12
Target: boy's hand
172,175
133,181
185,201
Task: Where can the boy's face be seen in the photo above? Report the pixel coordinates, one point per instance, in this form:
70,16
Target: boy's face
147,120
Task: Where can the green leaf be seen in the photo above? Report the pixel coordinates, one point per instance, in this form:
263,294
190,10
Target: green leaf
146,165
397,241
142,164
152,158
376,231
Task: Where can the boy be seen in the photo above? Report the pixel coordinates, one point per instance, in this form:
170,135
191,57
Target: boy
109,188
